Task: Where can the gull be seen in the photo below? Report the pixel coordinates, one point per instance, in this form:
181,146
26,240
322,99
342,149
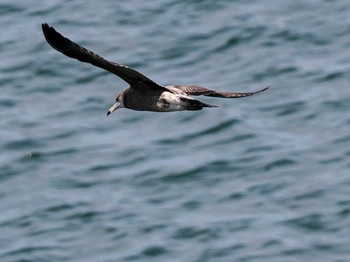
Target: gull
143,94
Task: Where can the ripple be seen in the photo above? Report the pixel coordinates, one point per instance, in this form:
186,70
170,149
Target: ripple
217,253
245,35
192,233
154,251
31,249
332,76
289,35
191,205
313,194
84,217
234,139
7,102
202,133
341,103
277,70
279,163
313,222
24,143
110,166
61,207
6,9
267,188
193,173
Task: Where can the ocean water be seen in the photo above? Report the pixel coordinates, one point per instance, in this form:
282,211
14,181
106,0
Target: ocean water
264,178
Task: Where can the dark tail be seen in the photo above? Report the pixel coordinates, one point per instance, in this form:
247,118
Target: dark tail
194,105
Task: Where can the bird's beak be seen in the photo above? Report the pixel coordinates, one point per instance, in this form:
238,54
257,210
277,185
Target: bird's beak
113,108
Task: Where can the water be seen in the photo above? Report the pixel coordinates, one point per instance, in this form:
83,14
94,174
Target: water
264,178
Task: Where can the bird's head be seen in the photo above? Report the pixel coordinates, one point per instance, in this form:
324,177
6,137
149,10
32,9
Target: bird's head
118,104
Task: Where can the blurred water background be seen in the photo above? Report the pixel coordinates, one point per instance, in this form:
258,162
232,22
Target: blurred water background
265,178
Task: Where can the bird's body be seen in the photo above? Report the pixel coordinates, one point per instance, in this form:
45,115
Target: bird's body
143,93
159,100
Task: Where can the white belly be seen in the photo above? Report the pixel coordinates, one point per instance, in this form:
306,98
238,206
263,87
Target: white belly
171,102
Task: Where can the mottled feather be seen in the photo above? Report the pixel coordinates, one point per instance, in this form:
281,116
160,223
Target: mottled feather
193,90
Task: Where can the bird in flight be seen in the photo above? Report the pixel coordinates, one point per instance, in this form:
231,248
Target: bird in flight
143,94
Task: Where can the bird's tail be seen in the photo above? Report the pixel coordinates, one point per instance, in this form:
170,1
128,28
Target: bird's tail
194,105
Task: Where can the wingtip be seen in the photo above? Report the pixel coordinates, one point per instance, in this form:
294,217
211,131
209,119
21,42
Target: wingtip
45,26
46,29
262,90
54,38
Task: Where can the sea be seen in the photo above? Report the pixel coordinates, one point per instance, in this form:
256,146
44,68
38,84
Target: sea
264,178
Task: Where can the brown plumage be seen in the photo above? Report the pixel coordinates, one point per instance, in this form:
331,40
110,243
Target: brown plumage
143,93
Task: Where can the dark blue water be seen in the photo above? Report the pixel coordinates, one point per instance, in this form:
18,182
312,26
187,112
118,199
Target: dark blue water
264,178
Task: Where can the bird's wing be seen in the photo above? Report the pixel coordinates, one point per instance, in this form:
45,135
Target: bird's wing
73,50
193,90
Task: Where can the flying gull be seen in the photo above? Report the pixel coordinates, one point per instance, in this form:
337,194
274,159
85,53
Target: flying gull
143,94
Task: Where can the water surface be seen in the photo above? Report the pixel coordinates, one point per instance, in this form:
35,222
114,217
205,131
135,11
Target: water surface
264,178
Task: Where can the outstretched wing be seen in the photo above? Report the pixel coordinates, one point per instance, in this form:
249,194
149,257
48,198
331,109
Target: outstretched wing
193,90
73,50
